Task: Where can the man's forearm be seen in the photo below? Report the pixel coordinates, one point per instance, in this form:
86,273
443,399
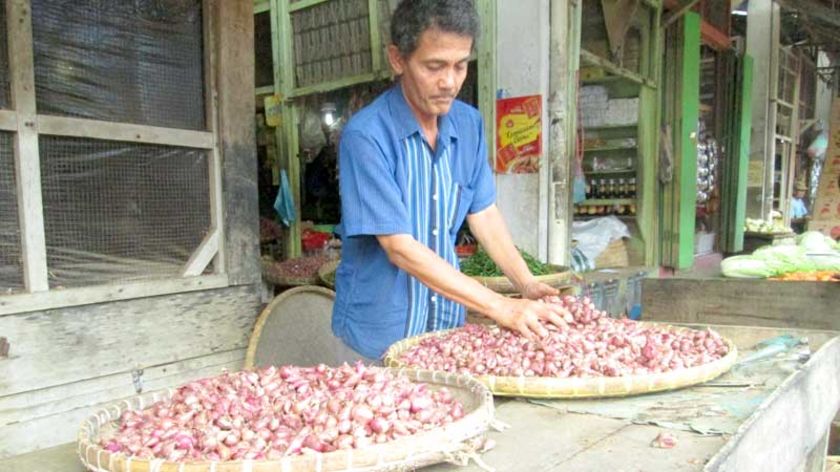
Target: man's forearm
422,263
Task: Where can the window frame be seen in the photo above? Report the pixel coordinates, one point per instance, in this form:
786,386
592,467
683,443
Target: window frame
23,121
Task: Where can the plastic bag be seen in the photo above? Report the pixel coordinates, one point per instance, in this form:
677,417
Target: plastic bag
593,236
284,204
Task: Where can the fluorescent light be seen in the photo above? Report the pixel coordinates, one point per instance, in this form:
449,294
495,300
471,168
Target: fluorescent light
739,12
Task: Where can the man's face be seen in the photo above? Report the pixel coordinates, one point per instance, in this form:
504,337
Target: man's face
433,74
799,194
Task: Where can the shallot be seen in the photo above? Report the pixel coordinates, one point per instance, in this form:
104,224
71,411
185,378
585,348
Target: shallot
591,345
276,412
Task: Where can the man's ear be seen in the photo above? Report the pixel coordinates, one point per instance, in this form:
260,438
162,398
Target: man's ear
396,59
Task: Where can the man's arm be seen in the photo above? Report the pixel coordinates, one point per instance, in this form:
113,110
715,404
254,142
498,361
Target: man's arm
421,262
489,228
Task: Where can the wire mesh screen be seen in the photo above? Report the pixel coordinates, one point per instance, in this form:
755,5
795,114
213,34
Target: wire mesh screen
4,59
121,211
331,41
134,62
11,274
263,59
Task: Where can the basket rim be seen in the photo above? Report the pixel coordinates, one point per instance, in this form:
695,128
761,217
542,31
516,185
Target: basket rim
449,437
588,387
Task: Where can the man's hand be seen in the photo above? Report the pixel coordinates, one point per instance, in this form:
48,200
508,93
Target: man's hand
525,316
535,290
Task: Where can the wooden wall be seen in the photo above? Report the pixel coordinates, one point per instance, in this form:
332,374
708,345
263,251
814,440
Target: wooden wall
63,362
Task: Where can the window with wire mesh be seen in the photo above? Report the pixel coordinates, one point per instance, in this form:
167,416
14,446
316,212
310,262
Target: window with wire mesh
117,212
11,273
331,41
4,59
135,62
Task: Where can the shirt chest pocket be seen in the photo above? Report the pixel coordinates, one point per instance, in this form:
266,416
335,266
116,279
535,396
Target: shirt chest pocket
460,200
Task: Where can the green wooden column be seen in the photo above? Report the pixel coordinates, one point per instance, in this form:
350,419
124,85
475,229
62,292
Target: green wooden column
736,166
682,103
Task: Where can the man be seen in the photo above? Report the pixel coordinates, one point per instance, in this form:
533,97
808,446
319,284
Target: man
798,211
413,165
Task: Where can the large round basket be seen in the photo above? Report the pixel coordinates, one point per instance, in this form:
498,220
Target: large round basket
271,277
452,442
559,278
586,387
326,273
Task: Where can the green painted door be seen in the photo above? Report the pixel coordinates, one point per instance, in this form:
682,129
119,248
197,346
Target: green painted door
736,160
678,166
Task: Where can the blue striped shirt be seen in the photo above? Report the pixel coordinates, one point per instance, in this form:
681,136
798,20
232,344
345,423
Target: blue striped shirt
392,182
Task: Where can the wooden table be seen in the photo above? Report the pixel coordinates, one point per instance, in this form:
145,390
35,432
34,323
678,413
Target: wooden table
769,415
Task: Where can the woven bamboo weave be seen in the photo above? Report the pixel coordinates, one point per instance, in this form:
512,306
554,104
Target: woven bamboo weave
452,442
586,387
557,279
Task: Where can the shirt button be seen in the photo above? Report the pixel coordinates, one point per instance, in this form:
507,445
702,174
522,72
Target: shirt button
434,232
434,299
434,197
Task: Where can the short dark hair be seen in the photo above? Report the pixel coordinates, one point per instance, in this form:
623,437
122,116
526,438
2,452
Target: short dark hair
412,17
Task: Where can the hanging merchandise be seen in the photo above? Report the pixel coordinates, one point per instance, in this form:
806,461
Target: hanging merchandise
708,157
284,204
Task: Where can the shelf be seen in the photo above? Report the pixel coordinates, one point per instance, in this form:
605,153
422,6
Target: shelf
589,217
608,201
610,172
610,148
593,59
631,125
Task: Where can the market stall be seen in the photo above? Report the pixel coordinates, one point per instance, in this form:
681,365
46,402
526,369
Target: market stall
785,396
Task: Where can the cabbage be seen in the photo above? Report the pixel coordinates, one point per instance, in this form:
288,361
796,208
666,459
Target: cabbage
826,261
815,242
782,259
748,267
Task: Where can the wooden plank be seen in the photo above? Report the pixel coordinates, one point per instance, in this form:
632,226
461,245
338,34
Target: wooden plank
233,33
106,339
826,209
8,120
676,13
261,6
27,158
713,37
596,60
86,393
813,393
375,39
287,134
343,82
24,303
686,162
742,302
110,131
201,257
46,425
217,224
303,4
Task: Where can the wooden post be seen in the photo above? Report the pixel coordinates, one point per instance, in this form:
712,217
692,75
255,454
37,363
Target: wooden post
233,38
27,158
562,117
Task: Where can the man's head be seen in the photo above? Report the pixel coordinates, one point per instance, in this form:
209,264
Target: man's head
431,41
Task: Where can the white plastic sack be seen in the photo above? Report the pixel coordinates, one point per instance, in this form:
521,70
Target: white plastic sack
593,236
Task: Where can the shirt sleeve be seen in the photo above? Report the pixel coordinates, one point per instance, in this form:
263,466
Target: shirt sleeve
371,201
482,181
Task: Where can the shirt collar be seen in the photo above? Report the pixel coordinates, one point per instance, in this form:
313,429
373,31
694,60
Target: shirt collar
407,123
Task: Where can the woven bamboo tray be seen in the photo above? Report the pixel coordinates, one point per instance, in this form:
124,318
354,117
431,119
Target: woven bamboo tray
286,281
453,442
326,273
501,284
587,387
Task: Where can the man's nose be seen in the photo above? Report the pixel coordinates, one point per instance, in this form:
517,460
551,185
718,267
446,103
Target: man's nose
447,80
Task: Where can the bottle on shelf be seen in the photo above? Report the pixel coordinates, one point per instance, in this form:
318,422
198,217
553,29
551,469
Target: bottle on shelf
622,188
611,189
631,188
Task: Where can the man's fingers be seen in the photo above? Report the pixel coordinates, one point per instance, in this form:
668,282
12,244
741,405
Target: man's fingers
535,326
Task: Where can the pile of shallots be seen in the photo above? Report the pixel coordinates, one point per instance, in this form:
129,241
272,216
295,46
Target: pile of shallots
276,412
591,345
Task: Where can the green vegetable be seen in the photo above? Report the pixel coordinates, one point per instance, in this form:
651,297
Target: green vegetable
784,258
481,265
747,267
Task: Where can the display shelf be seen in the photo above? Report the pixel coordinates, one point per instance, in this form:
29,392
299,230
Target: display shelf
612,126
608,201
606,172
609,148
